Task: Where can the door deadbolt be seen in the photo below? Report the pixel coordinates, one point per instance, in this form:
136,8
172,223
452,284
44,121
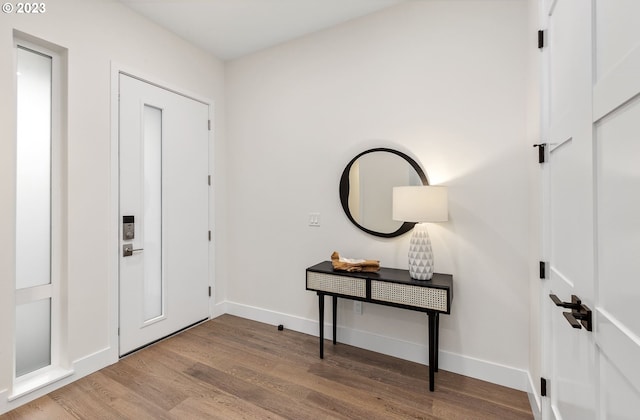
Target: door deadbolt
127,250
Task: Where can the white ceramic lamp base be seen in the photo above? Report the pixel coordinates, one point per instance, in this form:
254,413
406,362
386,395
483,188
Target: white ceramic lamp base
420,254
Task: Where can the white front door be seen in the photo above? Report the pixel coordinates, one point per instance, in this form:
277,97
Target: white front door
163,184
592,197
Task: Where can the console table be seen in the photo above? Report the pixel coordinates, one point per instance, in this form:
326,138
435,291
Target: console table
389,287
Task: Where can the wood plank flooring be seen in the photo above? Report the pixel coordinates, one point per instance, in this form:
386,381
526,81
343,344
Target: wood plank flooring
232,368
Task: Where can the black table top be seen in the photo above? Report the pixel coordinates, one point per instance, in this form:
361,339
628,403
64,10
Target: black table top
395,275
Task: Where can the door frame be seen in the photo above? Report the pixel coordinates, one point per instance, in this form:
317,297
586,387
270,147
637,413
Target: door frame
114,196
545,213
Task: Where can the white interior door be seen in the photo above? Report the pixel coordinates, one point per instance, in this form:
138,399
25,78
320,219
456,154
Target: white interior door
570,353
592,229
163,182
616,126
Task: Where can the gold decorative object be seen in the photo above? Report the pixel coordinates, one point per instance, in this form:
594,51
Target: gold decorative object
349,264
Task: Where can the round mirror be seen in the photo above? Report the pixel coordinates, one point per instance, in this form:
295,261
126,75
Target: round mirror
366,189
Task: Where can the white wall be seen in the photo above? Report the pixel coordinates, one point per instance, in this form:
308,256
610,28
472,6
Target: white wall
95,34
444,81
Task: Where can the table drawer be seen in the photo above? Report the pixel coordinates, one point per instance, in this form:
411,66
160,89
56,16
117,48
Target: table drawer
348,286
418,296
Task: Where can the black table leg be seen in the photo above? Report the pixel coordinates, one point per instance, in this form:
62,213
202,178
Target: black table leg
432,348
437,337
321,322
335,313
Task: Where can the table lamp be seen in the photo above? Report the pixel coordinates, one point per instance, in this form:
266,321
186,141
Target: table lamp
420,204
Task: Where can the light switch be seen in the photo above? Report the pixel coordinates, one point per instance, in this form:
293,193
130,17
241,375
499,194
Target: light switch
314,219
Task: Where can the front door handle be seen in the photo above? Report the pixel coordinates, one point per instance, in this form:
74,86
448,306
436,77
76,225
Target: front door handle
580,315
127,250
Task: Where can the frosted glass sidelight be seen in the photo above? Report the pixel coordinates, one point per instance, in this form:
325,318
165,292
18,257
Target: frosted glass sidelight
33,336
152,230
33,177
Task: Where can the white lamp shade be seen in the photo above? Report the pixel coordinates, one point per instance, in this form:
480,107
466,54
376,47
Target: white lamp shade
420,204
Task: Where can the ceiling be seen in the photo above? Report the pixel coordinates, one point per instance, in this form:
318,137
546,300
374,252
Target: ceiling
232,28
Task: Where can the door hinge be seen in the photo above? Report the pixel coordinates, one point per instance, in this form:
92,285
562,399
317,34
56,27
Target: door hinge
209,125
209,236
543,270
543,387
209,291
540,39
209,180
541,151
118,331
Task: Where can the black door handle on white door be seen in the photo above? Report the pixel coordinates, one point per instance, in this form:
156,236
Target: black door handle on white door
580,315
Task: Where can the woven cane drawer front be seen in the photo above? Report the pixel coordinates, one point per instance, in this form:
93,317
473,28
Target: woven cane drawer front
422,297
348,286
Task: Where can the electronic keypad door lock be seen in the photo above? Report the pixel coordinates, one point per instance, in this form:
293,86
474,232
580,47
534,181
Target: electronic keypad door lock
128,228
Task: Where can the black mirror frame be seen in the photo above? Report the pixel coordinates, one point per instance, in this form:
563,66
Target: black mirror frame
344,192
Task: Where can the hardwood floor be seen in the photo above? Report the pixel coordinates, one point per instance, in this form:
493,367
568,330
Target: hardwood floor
230,368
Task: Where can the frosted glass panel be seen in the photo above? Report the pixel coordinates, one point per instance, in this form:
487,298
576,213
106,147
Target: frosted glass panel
33,336
33,177
152,212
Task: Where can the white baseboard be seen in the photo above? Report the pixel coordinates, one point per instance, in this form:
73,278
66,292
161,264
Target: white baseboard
218,309
80,368
416,352
4,398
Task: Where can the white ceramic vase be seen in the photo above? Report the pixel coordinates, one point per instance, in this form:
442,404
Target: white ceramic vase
420,253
